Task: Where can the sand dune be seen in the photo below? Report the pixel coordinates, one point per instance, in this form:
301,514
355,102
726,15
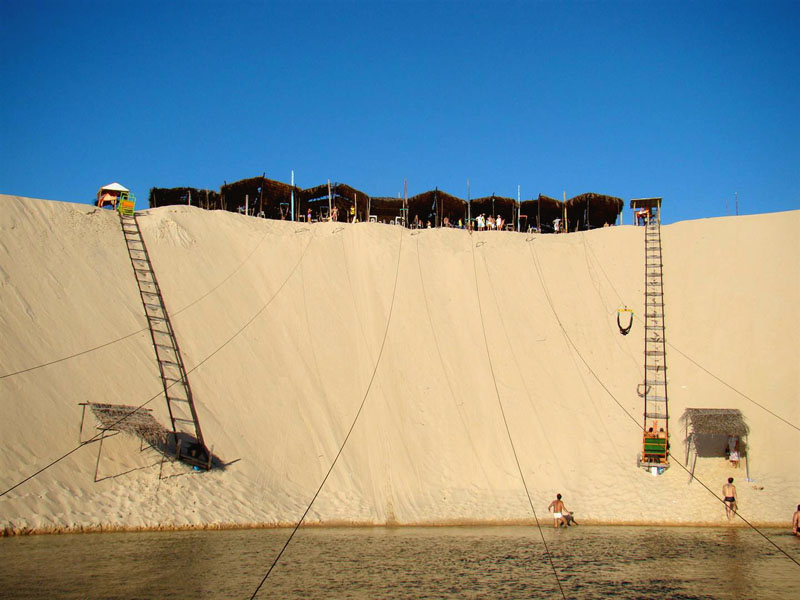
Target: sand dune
451,345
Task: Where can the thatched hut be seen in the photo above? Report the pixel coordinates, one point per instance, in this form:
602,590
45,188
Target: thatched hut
590,210
715,433
386,209
540,213
348,202
495,205
207,199
436,206
259,196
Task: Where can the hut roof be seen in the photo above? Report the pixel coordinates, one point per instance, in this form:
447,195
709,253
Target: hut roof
180,195
645,202
715,421
320,192
130,419
113,187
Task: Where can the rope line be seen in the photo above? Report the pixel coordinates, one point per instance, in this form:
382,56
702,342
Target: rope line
349,432
690,359
143,329
197,366
505,422
552,307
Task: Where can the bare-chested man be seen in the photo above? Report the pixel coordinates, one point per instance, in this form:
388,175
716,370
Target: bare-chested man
558,508
729,495
796,521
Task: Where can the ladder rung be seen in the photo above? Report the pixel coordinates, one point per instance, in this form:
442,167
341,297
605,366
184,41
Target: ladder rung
171,399
169,363
180,420
656,367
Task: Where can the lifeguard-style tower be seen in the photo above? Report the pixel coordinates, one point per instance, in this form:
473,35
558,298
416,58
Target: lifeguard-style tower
109,195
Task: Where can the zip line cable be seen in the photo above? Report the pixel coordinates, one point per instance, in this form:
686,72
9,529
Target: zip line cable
197,366
552,307
693,361
505,421
352,425
143,329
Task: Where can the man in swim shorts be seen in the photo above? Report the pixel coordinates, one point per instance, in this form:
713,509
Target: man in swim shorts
558,508
729,497
796,521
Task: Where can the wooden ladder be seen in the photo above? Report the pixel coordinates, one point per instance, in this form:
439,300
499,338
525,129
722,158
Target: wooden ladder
188,438
654,390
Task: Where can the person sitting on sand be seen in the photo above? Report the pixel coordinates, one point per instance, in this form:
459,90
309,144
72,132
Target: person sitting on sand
558,508
796,521
729,495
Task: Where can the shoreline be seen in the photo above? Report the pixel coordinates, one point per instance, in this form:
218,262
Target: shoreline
93,529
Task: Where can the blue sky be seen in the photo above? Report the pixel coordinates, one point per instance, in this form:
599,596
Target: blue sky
694,102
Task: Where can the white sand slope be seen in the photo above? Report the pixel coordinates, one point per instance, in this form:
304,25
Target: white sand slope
281,326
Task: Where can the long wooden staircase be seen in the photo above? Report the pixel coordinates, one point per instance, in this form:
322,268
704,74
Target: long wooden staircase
655,450
188,438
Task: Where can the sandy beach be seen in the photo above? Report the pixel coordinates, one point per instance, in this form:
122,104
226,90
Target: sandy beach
467,358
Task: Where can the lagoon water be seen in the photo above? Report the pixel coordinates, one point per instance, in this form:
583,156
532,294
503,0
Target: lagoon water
447,562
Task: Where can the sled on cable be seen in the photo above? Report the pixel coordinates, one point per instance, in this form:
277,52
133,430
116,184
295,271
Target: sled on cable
622,314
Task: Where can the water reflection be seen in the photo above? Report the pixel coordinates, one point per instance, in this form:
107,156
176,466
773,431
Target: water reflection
496,562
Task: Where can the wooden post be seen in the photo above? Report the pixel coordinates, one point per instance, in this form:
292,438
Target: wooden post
99,450
261,195
539,214
330,208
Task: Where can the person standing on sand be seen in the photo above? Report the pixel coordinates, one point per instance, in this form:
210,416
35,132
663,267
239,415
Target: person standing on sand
558,508
796,521
729,495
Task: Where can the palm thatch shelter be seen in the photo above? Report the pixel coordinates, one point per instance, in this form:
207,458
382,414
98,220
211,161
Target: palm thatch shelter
386,209
714,433
259,196
590,210
495,205
348,201
207,199
540,213
436,206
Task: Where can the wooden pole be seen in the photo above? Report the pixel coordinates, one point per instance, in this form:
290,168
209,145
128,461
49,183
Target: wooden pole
469,209
261,194
330,208
539,214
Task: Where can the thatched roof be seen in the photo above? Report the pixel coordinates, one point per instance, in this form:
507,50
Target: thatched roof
544,207
590,210
587,210
715,421
436,205
208,199
133,420
260,193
